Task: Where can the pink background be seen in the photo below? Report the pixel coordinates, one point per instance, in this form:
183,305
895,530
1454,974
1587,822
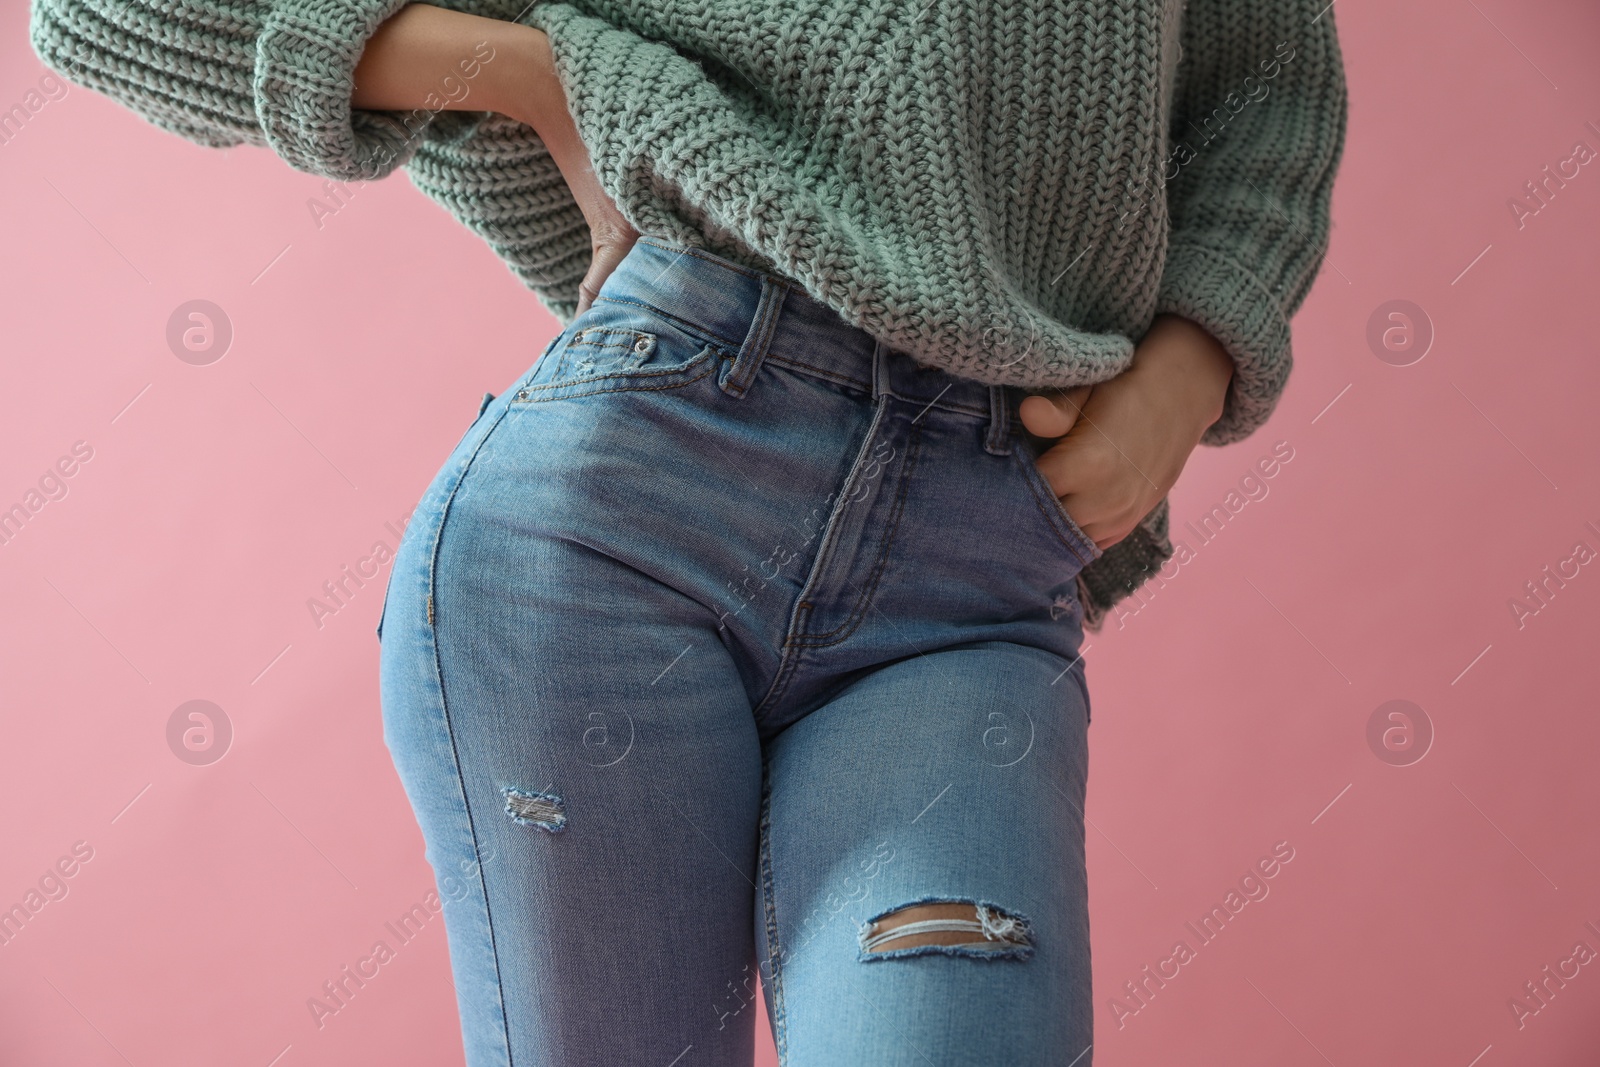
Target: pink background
1230,712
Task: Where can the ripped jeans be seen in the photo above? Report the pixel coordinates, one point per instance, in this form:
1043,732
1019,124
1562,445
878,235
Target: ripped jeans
732,646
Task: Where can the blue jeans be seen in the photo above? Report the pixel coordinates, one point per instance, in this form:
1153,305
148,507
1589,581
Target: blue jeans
726,644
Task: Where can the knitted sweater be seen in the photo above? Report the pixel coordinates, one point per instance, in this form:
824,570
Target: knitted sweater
1008,189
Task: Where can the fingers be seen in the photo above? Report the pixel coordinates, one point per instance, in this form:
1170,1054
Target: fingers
585,296
607,253
600,269
1052,415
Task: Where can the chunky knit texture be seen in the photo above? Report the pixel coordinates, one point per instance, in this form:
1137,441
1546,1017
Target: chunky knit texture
1008,189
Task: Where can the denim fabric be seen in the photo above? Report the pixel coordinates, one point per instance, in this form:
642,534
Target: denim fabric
724,632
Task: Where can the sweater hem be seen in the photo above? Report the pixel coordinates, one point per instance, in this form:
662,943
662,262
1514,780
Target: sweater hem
1125,566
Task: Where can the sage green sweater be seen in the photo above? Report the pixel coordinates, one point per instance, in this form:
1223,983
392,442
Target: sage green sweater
1009,189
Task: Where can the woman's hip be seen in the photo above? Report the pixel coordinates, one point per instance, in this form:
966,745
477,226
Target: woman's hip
816,495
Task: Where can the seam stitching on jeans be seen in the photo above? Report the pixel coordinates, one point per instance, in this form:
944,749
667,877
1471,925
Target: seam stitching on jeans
704,333
1052,514
444,707
596,392
787,668
780,1030
864,594
769,310
794,643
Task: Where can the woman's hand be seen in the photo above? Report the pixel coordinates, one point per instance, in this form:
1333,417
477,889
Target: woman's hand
1125,441
541,102
434,58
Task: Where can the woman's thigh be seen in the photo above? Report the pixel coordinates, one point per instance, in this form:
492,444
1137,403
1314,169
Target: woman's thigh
653,577
928,787
579,750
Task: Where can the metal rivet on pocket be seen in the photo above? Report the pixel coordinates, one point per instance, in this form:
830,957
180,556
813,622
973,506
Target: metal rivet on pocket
522,395
577,336
642,345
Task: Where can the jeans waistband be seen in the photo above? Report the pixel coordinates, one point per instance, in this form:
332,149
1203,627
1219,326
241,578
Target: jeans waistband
764,316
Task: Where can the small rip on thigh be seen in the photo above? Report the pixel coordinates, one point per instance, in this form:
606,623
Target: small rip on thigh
544,810
943,926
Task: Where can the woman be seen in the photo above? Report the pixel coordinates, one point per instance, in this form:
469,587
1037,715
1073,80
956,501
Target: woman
740,634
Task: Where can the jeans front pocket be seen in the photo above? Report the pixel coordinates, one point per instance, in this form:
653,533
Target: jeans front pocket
1060,525
619,345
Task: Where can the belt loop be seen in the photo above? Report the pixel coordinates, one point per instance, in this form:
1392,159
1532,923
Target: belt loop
998,441
735,381
880,370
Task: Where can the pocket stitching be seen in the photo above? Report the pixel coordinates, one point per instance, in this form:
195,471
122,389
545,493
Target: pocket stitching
1063,523
582,353
633,337
525,394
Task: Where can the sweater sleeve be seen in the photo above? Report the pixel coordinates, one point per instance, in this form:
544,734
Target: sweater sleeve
273,73
1257,131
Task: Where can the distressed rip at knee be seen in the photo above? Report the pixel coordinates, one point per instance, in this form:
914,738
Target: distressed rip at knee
946,927
544,810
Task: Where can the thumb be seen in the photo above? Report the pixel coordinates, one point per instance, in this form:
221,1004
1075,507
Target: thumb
604,260
1052,415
